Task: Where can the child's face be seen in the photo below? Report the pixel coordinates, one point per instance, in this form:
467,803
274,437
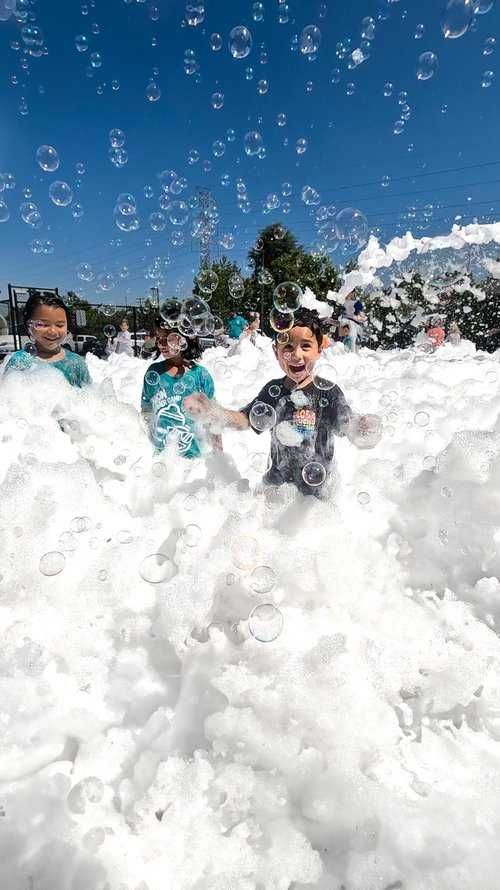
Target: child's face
169,343
296,356
48,327
124,325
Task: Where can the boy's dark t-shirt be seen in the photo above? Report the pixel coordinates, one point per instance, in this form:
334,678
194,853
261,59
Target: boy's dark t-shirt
306,421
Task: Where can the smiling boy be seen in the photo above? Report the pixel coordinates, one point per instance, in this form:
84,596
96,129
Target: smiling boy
307,416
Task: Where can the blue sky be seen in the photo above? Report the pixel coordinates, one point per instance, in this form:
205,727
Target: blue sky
351,140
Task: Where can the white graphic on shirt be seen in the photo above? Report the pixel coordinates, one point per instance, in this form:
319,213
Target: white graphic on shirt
176,423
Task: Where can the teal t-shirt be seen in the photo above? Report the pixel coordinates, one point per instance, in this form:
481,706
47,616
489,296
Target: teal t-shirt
236,326
72,366
163,395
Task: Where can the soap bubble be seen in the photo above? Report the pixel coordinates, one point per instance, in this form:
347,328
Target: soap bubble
109,331
253,142
281,321
314,474
351,228
171,311
263,580
301,146
481,7
95,60
281,119
152,378
370,437
156,568
82,43
31,215
179,213
399,127
217,101
195,14
52,563
117,138
80,524
368,27
236,286
47,158
419,32
489,46
427,66
287,297
487,79
85,272
192,535
89,791
215,42
105,281
421,418
153,91
118,157
310,40
310,196
457,18
258,12
262,417
240,42
4,212
207,281
363,498
388,88
265,622
324,378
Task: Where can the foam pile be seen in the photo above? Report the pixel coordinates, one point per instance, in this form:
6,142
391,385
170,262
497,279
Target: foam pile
148,740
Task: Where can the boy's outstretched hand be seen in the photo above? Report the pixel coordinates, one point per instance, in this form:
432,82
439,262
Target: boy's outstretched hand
197,405
366,430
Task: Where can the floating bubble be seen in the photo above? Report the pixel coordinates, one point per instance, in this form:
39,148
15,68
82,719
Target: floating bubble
263,580
117,138
31,215
427,66
207,281
258,12
487,79
109,331
301,146
262,417
399,127
351,228
179,213
95,60
192,535
106,281
489,46
217,101
82,43
85,272
118,157
253,142
310,40
419,32
388,89
80,524
310,196
89,791
314,474
47,158
236,286
215,42
265,623
324,378
457,18
153,91
52,563
156,568
195,14
4,212
262,87
368,433
240,42
421,418
157,221
287,297
481,7
281,321
363,498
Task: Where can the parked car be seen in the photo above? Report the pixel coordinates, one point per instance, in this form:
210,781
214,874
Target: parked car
96,347
82,341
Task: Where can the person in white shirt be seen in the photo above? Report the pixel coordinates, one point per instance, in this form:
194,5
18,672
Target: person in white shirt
121,343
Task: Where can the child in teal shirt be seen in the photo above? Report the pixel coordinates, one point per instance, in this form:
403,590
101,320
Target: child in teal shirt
166,384
46,319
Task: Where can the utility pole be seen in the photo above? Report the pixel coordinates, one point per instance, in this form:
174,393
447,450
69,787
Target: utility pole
155,296
205,205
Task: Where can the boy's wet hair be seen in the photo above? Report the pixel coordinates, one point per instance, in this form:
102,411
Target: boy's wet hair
39,298
308,318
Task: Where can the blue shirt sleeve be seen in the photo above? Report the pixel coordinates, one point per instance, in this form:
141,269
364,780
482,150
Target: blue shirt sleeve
83,375
206,383
19,361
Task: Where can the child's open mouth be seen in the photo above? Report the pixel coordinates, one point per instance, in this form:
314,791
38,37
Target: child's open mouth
297,369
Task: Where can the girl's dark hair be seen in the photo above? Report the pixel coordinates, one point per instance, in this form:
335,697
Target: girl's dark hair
308,318
39,298
193,350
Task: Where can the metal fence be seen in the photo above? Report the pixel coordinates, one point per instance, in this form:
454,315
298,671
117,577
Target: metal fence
97,320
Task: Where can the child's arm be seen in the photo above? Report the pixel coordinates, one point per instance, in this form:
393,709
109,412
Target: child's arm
214,415
362,430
